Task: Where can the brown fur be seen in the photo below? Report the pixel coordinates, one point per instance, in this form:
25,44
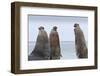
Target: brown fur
54,44
42,47
80,43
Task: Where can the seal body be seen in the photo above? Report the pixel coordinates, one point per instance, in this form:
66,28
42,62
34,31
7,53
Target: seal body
80,43
54,44
42,47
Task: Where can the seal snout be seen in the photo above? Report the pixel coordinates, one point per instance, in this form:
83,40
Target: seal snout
76,24
41,27
55,27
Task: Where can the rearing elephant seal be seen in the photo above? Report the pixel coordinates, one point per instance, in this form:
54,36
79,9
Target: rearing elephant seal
80,43
54,44
42,47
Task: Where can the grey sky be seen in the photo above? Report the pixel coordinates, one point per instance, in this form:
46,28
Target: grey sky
64,23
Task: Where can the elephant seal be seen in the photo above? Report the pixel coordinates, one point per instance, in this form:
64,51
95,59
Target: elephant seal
42,47
54,44
80,43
